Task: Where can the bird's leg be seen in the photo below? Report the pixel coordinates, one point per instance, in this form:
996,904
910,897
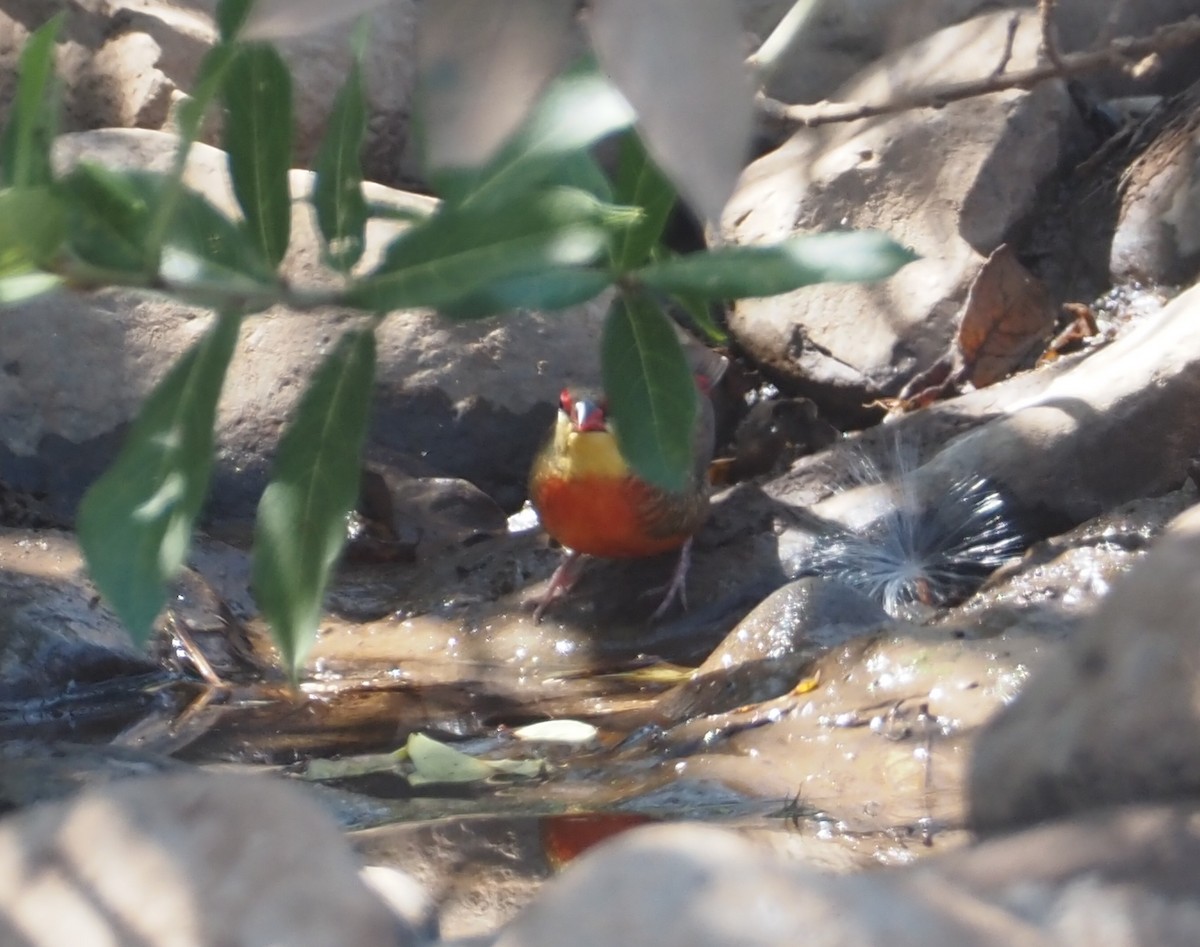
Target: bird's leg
561,581
677,587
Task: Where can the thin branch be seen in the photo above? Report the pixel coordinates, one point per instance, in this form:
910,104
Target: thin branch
1049,32
1124,53
1014,23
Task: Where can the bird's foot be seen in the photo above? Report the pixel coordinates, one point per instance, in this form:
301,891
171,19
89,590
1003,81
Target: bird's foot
677,587
564,577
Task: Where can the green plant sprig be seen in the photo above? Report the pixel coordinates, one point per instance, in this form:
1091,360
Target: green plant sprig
538,226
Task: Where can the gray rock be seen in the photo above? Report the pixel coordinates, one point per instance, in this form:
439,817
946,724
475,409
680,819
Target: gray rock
1059,582
61,647
191,860
1123,879
1121,876
690,885
842,38
809,615
473,400
1056,441
128,90
872,748
1070,451
1113,718
126,63
846,345
55,635
39,771
445,513
480,871
766,655
1157,237
407,898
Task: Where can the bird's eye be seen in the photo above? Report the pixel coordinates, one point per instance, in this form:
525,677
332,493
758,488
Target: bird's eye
565,401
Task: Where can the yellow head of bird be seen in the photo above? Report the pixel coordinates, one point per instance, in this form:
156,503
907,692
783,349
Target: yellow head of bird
584,441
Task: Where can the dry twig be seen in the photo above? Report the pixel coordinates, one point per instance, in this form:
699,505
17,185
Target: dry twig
1125,53
1014,23
1049,32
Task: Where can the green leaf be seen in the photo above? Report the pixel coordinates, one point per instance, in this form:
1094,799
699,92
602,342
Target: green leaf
581,171
337,194
461,251
26,140
33,225
208,260
435,762
231,16
545,290
578,109
642,184
651,392
699,312
109,216
258,138
205,257
136,521
32,229
744,272
302,515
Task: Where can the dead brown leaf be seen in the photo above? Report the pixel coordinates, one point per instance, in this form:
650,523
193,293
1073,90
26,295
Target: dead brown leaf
1082,326
1007,316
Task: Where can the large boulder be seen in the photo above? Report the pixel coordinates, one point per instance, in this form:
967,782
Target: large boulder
1114,717
469,400
1122,880
950,182
186,860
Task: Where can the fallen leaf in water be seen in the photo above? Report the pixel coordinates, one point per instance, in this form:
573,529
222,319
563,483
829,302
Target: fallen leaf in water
435,762
362,765
807,684
661,672
422,761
